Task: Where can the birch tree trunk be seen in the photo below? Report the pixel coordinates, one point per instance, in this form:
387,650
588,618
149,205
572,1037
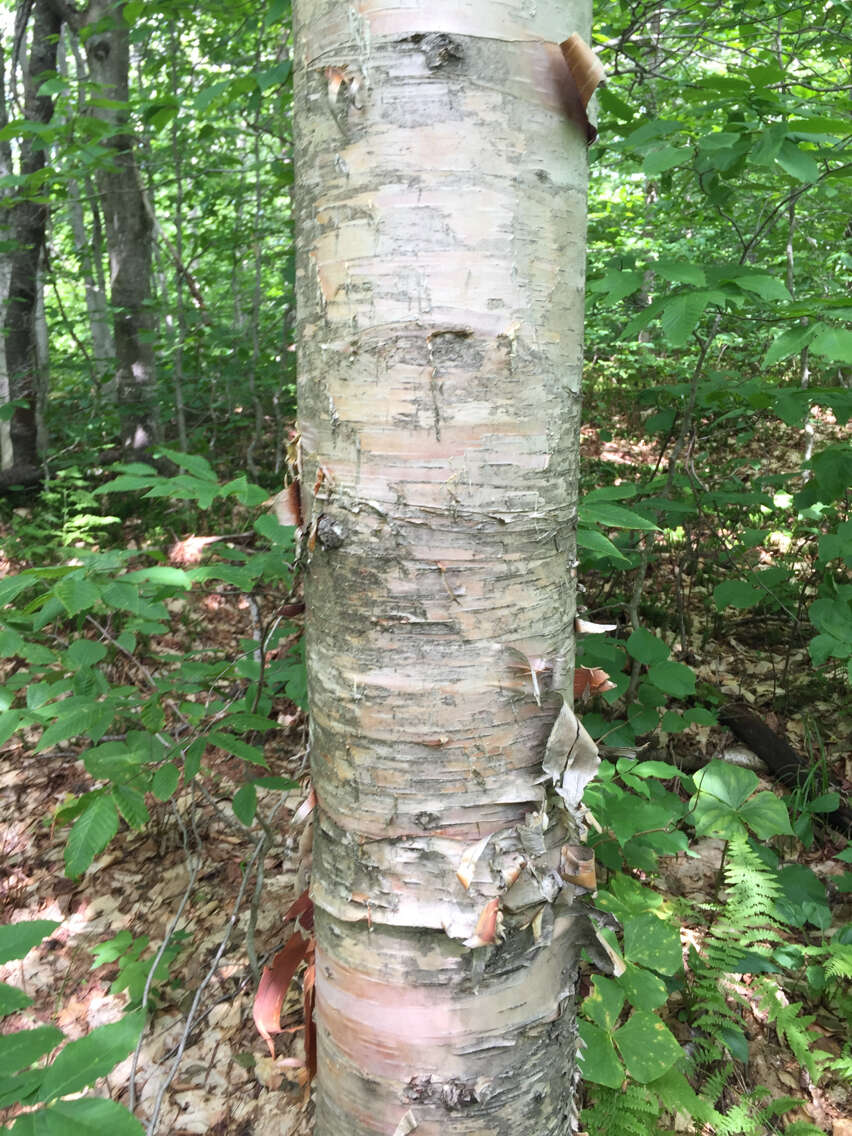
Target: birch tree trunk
129,228
440,214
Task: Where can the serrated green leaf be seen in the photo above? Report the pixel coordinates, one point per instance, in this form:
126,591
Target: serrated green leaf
131,804
680,272
85,653
613,516
767,287
18,939
76,593
11,1000
681,314
244,803
75,717
834,343
20,1049
90,834
238,748
165,781
596,542
665,158
162,574
85,1116
797,163
80,1063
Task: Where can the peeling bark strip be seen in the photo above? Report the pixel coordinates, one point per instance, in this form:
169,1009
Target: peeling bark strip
441,204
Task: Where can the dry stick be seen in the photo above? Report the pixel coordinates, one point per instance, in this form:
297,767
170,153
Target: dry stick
193,860
205,982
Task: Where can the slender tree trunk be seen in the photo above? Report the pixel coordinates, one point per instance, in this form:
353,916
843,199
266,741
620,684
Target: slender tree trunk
129,230
89,247
7,455
441,216
28,228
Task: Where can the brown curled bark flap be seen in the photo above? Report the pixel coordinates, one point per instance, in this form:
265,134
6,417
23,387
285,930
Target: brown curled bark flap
586,72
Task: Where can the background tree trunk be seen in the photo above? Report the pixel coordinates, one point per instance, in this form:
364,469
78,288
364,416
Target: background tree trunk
29,218
440,212
129,230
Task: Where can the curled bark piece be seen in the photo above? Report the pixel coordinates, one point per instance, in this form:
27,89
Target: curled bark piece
585,67
577,866
570,757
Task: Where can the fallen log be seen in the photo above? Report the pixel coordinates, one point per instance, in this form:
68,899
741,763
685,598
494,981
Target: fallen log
788,766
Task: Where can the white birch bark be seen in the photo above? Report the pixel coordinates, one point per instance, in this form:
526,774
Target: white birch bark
440,212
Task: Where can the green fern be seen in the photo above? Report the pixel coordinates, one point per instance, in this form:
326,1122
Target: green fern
632,1111
838,965
792,1028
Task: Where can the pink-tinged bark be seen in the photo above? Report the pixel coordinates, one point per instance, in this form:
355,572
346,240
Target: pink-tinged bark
441,201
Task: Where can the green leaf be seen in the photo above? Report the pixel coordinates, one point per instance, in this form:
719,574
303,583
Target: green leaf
76,593
653,943
277,534
77,716
672,678
238,748
165,781
274,76
644,990
666,158
680,272
613,516
617,283
197,465
647,1046
598,1059
90,834
85,653
736,593
766,816
86,1116
131,804
729,784
80,1063
834,343
21,1049
18,939
245,803
19,1089
162,574
596,542
804,897
604,1003
682,312
734,1040
797,163
699,716
11,1000
767,287
646,648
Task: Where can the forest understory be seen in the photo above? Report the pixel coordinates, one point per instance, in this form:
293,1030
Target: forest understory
191,876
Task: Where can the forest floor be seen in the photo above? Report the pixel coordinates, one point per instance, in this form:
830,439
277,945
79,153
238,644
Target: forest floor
215,1075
